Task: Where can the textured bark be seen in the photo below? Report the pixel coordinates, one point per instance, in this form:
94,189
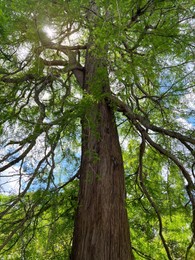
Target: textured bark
101,226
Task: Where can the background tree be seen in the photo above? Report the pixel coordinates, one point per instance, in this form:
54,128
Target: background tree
72,73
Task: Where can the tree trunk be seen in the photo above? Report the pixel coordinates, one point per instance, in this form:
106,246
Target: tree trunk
101,226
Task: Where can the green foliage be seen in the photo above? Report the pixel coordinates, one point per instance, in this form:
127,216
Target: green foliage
49,232
145,50
165,187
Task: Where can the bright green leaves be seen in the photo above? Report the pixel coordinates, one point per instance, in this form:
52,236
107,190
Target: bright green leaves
166,188
157,200
49,232
144,51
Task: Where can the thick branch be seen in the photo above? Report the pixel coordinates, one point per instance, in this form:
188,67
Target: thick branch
62,48
136,120
146,123
54,62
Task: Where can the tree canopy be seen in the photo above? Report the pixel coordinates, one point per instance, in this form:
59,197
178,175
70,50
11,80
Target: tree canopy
144,51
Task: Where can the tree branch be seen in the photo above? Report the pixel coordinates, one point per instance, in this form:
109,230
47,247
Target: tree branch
146,123
145,191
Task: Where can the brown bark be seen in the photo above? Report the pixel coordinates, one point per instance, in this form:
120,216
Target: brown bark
101,225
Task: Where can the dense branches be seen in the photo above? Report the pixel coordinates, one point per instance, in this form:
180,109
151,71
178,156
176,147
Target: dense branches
141,69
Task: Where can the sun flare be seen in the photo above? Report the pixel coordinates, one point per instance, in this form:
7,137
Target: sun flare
51,32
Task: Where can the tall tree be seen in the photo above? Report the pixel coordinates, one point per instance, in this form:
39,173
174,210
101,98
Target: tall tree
75,74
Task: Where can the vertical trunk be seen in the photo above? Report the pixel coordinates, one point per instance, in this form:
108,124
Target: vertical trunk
101,226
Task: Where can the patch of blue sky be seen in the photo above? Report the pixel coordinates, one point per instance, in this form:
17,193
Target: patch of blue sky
191,120
171,84
66,168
